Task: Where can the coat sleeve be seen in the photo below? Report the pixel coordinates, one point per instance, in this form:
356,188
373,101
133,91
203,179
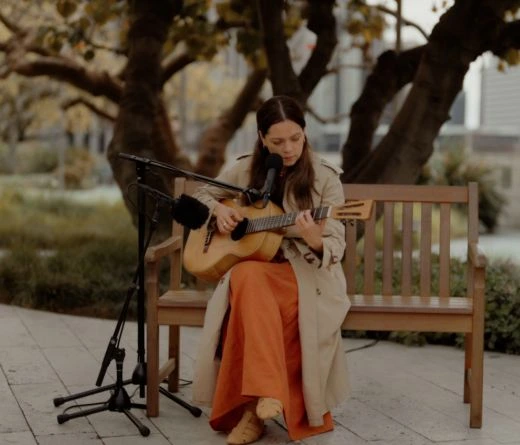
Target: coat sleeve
331,194
210,195
334,230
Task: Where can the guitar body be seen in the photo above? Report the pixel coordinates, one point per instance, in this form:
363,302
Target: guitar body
208,254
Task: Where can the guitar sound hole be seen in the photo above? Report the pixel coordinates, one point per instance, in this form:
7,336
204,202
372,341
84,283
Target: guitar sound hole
240,230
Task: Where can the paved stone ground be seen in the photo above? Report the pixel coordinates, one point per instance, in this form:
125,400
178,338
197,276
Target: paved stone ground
401,395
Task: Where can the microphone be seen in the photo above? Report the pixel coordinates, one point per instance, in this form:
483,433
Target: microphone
187,211
274,164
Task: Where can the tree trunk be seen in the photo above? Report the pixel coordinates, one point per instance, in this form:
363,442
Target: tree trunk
463,33
142,127
212,147
281,72
391,72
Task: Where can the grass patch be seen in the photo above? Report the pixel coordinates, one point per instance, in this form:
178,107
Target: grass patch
55,223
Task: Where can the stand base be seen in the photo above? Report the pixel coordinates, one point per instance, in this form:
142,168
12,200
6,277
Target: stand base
192,409
61,400
118,402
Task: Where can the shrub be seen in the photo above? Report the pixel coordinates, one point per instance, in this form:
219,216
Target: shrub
79,164
49,222
44,160
35,157
91,279
455,168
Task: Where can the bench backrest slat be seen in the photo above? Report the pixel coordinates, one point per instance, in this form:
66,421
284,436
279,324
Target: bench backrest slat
349,264
369,250
407,247
388,248
444,250
425,257
473,224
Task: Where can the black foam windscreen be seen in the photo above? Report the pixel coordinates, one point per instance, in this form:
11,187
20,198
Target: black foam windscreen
189,212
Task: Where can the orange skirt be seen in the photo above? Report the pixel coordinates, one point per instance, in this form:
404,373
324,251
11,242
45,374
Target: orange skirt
260,348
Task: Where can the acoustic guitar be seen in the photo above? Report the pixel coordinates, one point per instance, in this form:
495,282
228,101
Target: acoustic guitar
209,254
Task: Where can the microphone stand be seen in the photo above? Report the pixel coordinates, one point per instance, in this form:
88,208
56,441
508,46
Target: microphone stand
251,193
120,400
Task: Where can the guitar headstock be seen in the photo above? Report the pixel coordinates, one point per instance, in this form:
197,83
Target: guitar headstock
358,209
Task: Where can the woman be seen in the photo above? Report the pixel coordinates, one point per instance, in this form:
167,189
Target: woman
271,342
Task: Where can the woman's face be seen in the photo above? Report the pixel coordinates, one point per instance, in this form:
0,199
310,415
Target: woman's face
285,138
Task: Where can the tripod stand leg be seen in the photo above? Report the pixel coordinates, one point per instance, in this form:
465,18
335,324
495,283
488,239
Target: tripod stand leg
145,431
61,400
192,409
62,418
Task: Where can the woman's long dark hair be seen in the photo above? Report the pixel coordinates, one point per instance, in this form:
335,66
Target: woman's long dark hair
300,177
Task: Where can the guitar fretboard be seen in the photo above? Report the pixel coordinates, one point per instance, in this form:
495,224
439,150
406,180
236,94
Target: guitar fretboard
278,221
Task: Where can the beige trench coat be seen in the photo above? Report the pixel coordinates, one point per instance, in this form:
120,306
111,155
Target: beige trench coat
322,299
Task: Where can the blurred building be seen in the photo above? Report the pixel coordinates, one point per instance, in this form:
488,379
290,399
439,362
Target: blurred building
498,138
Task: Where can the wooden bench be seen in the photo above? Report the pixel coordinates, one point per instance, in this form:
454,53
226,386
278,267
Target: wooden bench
391,309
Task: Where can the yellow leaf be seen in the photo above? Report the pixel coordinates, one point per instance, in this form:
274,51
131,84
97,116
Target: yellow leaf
367,35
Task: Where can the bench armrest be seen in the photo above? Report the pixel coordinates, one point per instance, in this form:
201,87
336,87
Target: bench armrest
167,247
476,255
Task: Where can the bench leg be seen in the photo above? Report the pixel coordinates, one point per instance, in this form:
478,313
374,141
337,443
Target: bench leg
477,350
174,352
468,345
476,381
152,366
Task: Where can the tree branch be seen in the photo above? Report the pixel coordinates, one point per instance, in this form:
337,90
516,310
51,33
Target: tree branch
173,64
406,22
10,25
323,23
94,83
326,120
90,105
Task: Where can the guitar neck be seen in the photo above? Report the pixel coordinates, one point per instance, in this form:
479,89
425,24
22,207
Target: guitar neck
287,219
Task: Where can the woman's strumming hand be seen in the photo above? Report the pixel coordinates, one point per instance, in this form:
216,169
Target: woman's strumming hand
227,218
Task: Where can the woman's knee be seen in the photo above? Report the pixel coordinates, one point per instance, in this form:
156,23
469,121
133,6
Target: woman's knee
244,270
244,280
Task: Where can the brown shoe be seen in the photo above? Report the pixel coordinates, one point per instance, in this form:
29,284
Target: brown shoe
249,429
267,408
